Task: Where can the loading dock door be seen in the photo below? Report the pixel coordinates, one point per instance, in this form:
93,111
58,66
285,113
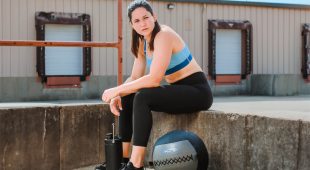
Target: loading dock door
63,60
228,51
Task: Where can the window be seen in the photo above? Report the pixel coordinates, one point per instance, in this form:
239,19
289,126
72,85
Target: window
63,66
63,60
305,69
230,51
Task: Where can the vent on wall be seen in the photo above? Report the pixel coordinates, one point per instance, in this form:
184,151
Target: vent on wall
63,61
58,66
230,51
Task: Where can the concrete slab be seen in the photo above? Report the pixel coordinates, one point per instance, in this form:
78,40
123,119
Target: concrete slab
304,156
8,105
28,139
239,136
290,108
241,142
274,143
82,131
92,167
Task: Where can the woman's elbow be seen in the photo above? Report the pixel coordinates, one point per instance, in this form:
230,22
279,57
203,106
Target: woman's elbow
155,81
156,84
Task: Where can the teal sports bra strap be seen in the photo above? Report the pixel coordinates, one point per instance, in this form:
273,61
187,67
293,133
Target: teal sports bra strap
180,66
176,68
145,48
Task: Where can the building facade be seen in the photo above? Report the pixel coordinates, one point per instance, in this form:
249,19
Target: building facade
243,48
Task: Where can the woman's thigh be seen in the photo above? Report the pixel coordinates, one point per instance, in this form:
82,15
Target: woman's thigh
177,98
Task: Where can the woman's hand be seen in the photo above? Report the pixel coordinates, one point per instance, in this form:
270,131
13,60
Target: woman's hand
109,94
116,105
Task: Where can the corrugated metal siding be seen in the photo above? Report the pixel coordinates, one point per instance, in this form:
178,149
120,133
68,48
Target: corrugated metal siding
17,23
185,19
277,32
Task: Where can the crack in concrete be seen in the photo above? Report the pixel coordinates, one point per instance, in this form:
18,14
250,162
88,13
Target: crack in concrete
299,144
44,134
4,152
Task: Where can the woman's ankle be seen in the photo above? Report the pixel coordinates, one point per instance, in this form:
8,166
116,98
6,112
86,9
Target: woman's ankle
125,160
137,156
136,166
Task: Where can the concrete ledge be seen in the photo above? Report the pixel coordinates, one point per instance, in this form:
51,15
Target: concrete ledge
242,142
50,138
82,133
29,138
70,136
304,147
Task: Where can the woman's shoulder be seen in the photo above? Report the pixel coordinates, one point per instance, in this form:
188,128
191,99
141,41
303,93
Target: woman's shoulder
165,27
166,33
166,30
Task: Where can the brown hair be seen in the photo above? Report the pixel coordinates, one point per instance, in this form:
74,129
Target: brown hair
135,37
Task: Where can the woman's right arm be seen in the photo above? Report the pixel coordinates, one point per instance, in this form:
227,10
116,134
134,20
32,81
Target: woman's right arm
138,68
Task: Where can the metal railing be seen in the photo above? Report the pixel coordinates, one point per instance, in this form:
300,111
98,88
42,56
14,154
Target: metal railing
118,44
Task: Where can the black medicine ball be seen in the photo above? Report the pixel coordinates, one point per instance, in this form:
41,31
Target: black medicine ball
180,150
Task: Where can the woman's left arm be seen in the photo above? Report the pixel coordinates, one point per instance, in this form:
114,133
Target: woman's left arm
163,44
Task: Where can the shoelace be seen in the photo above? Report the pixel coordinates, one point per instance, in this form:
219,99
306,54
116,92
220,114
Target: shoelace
130,166
104,165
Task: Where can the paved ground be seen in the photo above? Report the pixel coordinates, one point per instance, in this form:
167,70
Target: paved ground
48,103
93,167
291,107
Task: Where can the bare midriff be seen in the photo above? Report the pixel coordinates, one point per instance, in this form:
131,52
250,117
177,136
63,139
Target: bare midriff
191,68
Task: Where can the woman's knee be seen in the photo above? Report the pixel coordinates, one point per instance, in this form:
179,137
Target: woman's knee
143,95
127,100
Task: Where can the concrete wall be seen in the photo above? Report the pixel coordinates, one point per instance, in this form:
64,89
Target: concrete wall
70,137
52,137
238,142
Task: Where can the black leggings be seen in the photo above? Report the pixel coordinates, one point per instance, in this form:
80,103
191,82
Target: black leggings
188,95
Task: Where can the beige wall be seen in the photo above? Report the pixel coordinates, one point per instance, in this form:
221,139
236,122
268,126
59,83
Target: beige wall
17,22
276,37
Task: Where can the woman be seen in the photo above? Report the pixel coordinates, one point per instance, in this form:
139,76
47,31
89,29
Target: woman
162,50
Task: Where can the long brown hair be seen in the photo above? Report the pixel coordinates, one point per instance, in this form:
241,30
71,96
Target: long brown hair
135,37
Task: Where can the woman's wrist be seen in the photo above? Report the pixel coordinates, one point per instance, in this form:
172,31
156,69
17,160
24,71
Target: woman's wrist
120,90
118,96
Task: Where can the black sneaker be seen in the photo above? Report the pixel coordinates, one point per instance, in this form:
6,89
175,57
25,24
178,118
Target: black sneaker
103,166
130,166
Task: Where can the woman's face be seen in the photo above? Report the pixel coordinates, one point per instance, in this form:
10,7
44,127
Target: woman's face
142,21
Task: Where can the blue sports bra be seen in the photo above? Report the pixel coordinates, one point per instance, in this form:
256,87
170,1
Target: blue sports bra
178,60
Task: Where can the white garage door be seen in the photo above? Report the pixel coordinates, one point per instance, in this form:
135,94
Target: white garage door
63,60
228,51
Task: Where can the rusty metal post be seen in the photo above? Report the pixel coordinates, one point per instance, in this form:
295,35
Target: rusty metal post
120,43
